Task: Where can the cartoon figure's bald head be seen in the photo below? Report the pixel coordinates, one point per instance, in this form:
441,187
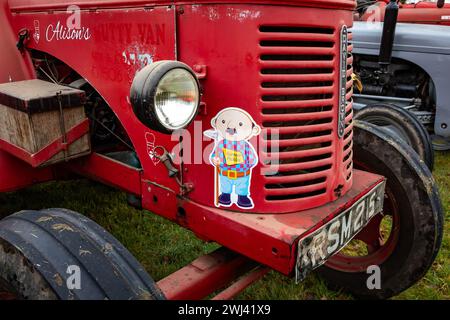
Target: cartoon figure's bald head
235,124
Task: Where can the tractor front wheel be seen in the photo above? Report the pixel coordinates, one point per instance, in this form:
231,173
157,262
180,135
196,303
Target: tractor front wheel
404,239
402,124
60,254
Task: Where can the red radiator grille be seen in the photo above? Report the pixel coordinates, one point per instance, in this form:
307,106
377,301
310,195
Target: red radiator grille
298,107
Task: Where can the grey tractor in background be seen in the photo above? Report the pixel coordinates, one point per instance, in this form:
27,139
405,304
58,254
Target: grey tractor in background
417,81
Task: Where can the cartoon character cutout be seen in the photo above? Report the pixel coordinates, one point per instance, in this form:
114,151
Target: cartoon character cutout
233,157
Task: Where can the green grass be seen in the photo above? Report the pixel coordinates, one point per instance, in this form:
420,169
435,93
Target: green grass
163,247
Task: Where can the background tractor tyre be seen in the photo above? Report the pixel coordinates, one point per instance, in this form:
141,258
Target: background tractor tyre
42,251
402,123
413,205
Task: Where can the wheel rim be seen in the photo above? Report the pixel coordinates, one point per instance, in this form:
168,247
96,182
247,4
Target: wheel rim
379,245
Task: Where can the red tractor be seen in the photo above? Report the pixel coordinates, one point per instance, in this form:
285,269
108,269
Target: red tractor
231,119
426,12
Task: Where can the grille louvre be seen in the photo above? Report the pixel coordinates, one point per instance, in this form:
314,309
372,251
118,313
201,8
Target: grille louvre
298,80
297,91
300,31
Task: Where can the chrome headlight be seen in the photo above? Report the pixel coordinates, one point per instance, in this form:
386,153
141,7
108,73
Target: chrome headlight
165,96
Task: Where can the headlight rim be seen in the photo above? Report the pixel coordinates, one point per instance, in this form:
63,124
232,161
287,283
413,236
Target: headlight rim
143,90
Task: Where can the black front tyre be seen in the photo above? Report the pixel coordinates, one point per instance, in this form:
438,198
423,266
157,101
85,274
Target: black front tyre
41,251
416,215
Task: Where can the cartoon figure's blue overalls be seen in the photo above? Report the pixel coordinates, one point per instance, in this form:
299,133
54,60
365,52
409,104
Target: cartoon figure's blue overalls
237,159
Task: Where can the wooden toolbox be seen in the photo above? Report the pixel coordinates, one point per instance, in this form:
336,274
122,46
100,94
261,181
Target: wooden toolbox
43,123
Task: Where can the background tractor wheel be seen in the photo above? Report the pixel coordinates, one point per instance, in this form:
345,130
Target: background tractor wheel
41,251
403,124
404,239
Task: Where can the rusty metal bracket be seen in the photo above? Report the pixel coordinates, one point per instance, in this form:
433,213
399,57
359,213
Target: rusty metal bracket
174,172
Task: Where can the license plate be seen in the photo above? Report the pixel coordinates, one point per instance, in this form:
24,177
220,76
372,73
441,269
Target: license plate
316,248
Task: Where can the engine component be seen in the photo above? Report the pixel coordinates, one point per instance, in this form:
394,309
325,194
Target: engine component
400,79
387,40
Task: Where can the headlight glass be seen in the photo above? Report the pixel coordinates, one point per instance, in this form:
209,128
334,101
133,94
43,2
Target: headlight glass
176,99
